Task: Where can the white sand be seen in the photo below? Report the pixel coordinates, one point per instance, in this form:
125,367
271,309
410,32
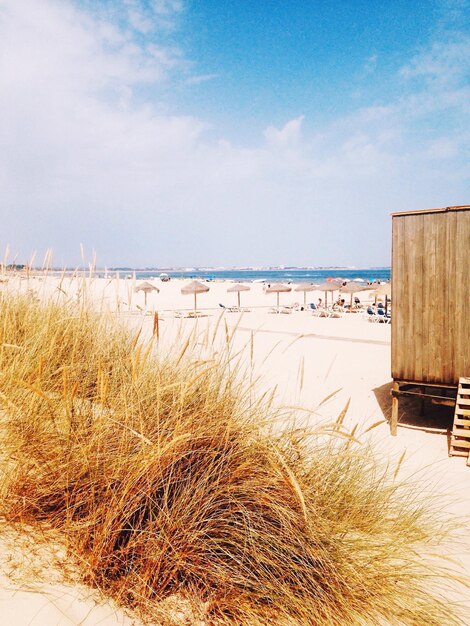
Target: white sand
307,358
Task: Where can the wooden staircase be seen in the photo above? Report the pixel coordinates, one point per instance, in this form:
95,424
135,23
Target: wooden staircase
460,438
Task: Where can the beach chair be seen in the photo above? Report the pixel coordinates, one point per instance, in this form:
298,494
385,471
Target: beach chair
334,312
377,317
330,313
292,307
384,318
230,309
316,312
189,314
369,315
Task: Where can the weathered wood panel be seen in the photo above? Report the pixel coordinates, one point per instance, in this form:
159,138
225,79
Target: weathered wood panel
431,296
461,282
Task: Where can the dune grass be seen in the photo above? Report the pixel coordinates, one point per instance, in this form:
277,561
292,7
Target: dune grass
166,484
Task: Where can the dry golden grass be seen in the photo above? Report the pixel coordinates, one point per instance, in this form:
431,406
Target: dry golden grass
172,496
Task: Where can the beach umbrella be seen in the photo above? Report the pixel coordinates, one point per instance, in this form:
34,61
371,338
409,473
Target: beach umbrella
194,287
146,287
278,288
351,288
384,289
328,287
237,288
305,287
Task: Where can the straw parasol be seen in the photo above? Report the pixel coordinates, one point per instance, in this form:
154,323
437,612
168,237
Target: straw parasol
351,288
305,287
278,288
384,289
237,288
194,287
328,287
146,287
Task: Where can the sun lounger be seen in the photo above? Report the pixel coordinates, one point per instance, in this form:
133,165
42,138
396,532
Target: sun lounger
190,314
331,312
377,317
316,311
234,309
230,309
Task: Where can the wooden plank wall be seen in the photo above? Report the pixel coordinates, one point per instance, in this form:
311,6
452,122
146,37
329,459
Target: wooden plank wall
460,253
431,296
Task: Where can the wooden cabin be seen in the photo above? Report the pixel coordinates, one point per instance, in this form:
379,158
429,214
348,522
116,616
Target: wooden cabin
430,303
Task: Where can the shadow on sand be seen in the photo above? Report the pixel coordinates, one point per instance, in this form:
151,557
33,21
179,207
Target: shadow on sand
416,413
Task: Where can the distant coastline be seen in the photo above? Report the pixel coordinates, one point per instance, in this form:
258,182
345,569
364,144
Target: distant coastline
248,268
283,274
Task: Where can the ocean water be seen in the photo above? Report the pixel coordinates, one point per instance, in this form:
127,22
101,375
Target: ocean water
272,275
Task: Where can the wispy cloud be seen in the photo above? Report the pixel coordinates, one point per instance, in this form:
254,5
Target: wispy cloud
370,64
158,14
197,79
444,63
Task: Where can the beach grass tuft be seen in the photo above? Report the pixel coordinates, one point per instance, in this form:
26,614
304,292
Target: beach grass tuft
172,495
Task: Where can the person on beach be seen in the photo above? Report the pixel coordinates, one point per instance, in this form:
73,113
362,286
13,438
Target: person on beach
320,304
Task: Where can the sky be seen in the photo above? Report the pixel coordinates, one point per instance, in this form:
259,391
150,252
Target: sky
228,133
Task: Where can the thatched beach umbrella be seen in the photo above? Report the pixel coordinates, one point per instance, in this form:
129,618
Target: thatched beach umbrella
305,287
328,287
146,287
278,288
351,288
384,289
194,287
237,288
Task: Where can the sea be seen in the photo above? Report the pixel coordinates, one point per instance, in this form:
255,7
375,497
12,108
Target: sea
282,275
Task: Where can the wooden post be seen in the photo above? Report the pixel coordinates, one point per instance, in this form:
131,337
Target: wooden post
421,402
156,329
394,418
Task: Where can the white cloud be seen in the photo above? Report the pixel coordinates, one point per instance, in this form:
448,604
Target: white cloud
147,17
288,135
84,158
443,63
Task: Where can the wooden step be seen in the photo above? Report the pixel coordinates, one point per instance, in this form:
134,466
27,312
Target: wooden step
460,439
461,421
463,453
460,442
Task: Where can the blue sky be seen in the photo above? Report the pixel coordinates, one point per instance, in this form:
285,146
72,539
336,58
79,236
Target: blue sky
176,132
315,58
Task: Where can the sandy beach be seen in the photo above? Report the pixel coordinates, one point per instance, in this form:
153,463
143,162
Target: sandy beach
305,358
